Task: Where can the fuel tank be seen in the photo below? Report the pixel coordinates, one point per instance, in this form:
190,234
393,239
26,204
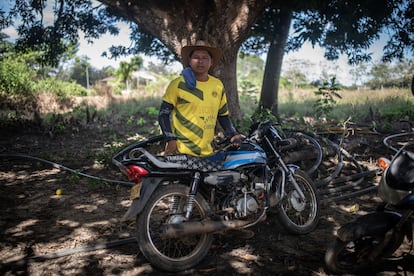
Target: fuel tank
249,154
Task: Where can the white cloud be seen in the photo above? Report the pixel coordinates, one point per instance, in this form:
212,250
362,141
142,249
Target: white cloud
11,32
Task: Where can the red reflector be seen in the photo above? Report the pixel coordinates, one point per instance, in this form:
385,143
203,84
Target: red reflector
135,172
383,163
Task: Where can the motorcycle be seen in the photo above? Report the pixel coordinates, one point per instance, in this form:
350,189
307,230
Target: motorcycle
374,237
180,201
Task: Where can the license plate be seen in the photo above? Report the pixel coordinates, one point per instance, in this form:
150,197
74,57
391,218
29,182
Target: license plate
135,191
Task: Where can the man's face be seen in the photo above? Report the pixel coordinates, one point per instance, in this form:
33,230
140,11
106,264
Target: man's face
200,61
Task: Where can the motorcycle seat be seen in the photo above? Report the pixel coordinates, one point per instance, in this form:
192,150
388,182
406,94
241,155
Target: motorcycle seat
189,162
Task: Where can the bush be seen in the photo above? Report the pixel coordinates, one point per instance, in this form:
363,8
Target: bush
61,89
16,79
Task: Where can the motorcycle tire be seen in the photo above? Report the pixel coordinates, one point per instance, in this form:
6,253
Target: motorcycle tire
168,205
294,214
309,144
359,255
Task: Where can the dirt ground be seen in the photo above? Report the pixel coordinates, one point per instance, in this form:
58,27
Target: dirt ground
34,221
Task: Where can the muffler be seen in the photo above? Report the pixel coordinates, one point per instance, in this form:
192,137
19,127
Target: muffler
200,227
177,230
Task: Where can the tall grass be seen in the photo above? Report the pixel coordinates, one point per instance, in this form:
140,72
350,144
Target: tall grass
359,105
141,107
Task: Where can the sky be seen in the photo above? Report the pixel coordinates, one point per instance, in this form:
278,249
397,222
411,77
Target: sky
94,51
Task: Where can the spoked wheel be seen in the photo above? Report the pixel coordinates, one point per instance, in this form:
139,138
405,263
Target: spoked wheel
297,215
168,205
308,153
361,254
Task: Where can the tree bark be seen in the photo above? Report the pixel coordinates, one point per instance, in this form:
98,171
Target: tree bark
273,67
180,22
227,72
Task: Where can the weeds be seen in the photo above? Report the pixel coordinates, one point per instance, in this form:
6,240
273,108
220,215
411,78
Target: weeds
326,98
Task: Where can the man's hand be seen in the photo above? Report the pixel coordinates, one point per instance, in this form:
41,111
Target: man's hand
236,140
171,147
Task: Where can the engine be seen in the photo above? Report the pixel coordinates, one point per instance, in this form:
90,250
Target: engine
247,205
239,195
245,202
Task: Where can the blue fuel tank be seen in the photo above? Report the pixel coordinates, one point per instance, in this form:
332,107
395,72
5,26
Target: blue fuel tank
253,155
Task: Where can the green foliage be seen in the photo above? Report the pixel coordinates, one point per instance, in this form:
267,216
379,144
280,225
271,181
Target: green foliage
125,69
263,114
385,75
249,73
61,89
16,78
58,34
326,98
152,111
141,121
397,110
104,156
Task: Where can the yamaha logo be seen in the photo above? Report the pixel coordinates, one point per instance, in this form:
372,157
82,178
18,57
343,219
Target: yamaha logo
176,157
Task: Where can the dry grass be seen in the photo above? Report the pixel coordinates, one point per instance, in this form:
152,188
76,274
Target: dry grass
357,104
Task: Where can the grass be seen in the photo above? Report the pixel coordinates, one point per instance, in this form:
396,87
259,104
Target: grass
363,105
140,110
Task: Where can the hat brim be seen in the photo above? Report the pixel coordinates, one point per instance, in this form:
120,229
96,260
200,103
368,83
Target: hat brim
214,52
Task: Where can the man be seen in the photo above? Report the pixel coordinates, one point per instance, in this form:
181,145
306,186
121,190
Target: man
194,102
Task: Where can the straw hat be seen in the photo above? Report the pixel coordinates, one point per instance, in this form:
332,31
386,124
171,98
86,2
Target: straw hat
201,45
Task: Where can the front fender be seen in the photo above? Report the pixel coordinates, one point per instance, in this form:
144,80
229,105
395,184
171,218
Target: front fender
293,168
371,224
148,187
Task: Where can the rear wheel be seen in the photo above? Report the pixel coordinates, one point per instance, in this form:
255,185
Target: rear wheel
297,215
167,206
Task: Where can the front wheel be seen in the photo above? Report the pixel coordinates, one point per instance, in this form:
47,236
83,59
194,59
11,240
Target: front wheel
361,254
297,215
167,206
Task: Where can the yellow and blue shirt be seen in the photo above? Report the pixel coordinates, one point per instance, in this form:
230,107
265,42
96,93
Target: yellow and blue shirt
195,113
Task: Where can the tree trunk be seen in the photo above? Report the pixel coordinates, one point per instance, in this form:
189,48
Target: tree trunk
226,72
180,22
273,68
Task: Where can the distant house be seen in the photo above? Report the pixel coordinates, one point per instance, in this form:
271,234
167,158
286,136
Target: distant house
144,77
107,81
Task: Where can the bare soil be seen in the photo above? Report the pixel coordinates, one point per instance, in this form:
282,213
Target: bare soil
34,221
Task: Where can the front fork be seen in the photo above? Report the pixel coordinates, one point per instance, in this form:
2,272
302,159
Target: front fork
290,176
288,171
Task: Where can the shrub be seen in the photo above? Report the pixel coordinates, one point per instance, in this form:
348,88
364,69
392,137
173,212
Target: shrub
16,79
61,89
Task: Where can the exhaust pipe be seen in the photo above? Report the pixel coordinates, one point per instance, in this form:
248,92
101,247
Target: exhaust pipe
200,227
177,230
